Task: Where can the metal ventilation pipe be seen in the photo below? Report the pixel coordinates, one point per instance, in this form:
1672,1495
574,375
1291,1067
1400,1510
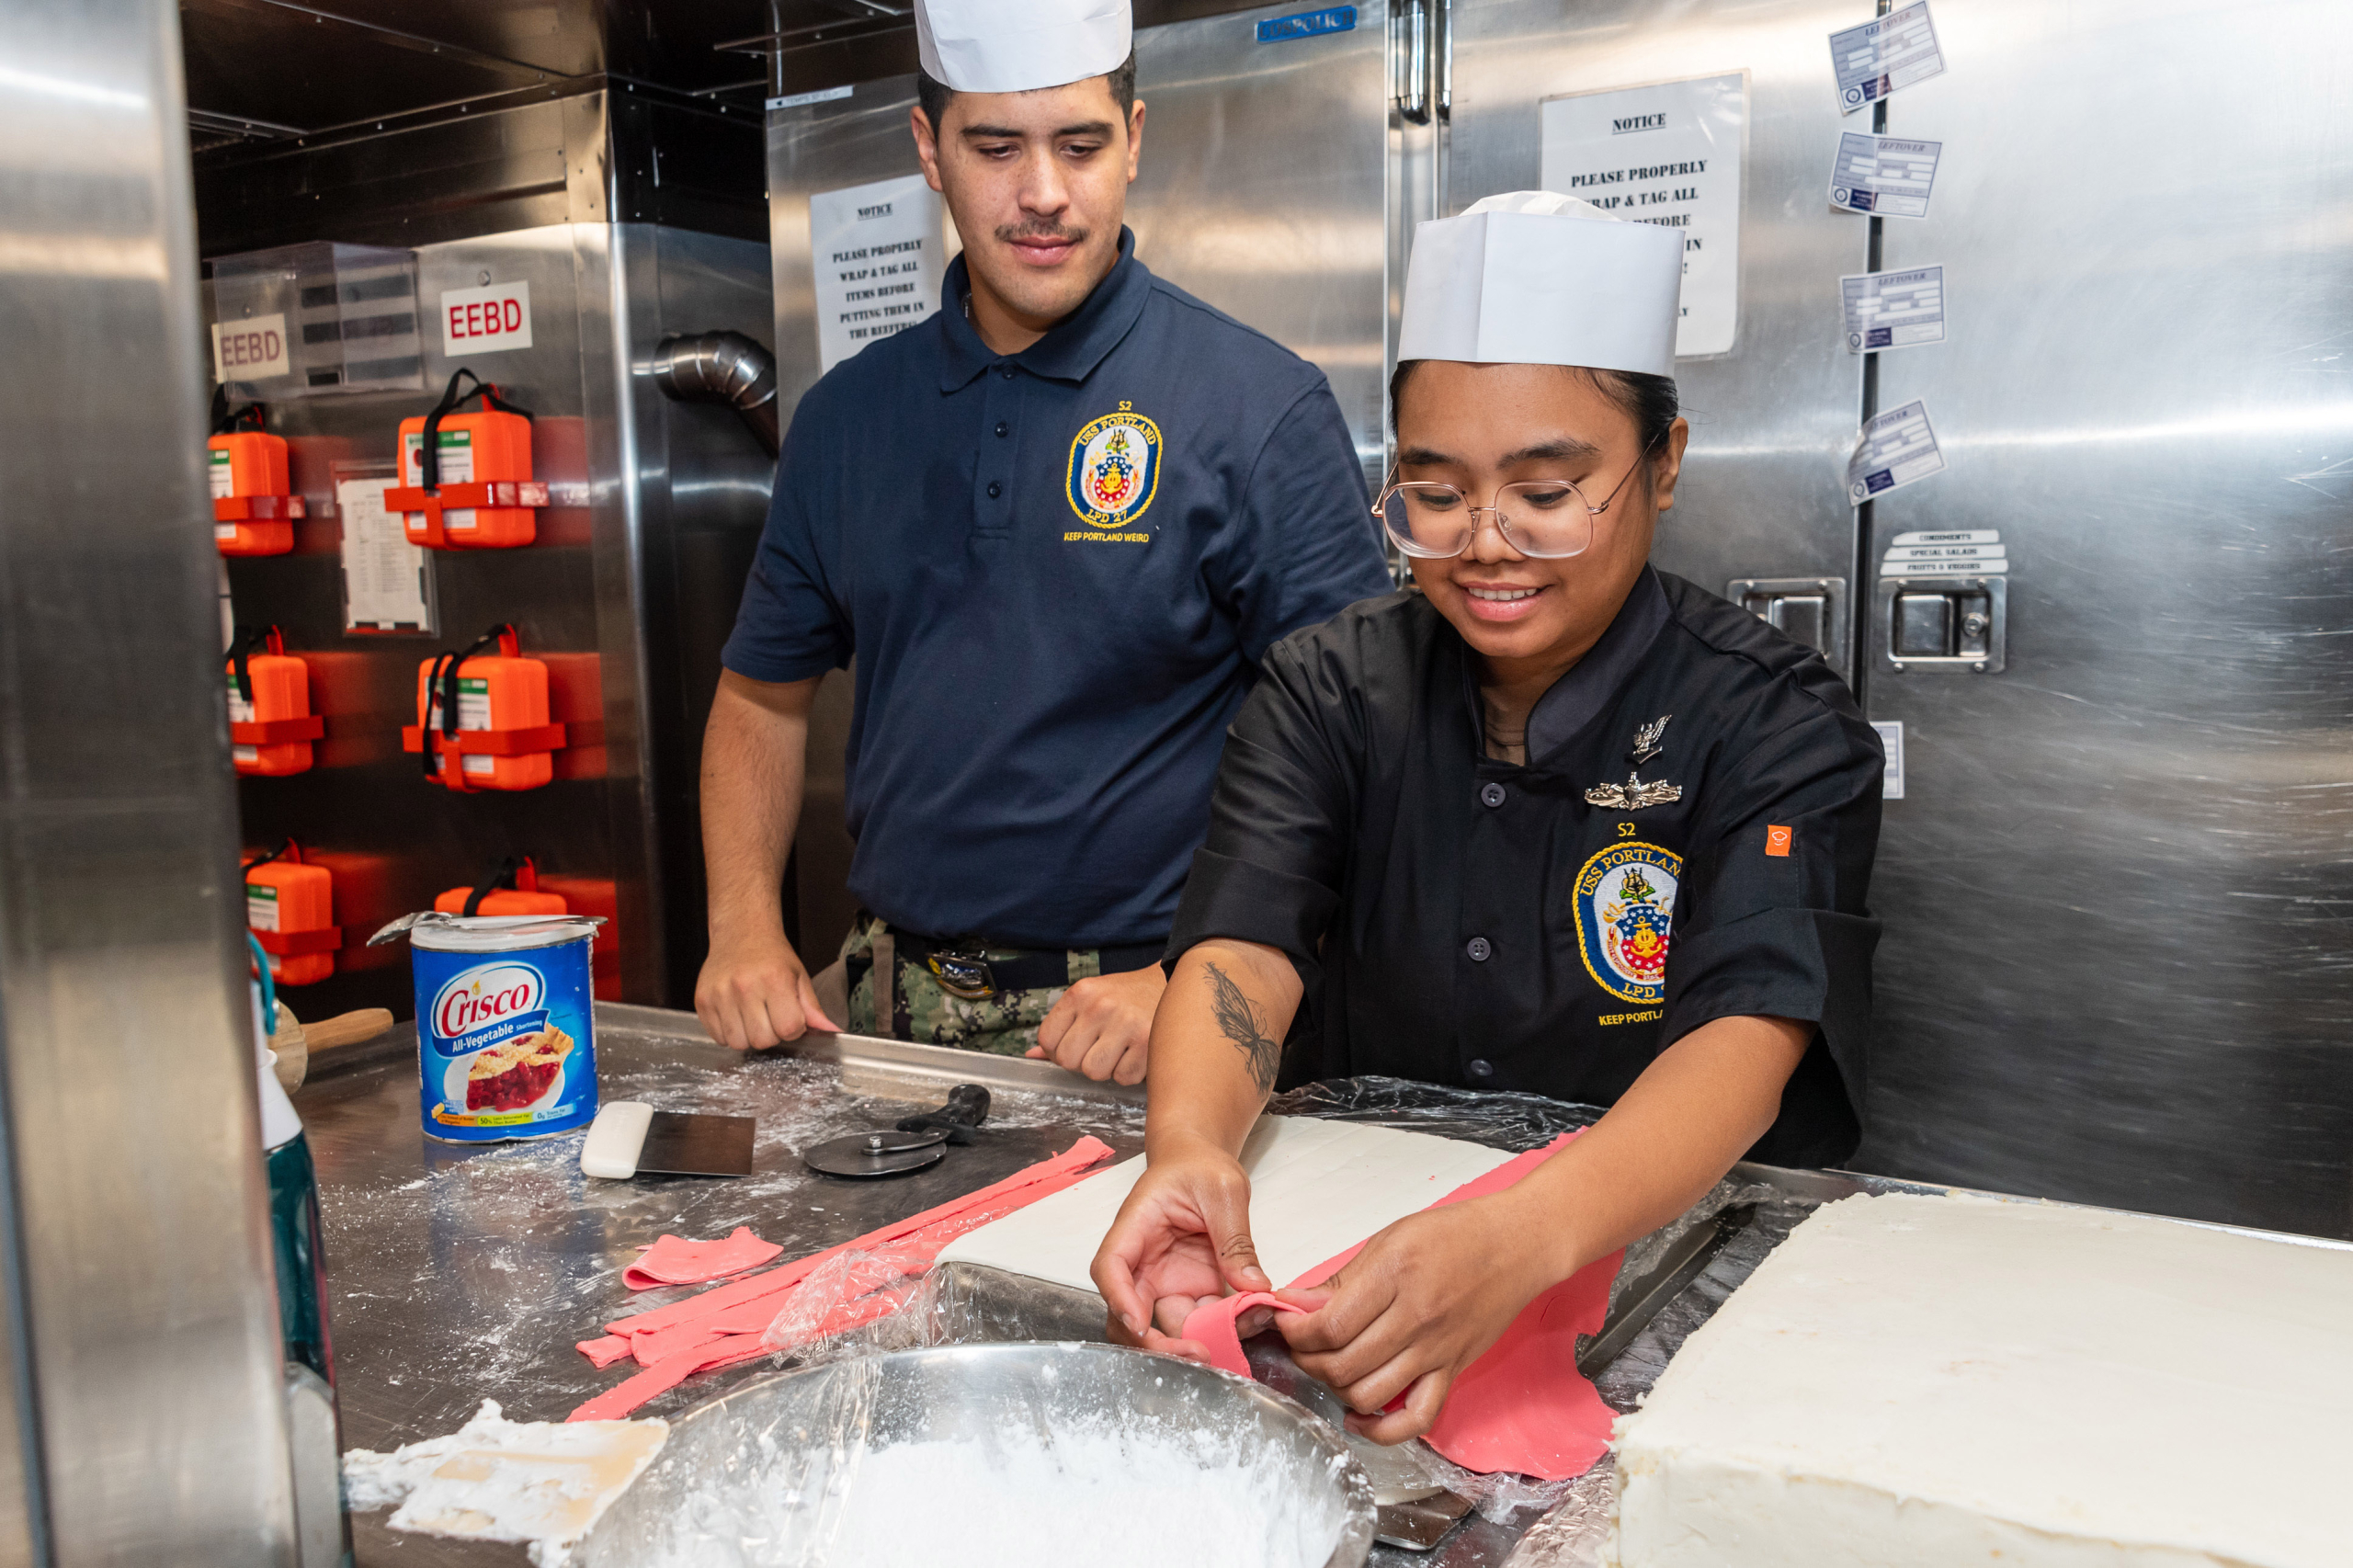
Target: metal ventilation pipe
723,367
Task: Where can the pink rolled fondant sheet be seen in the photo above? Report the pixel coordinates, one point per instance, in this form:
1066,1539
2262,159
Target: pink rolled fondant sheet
1523,1406
673,1260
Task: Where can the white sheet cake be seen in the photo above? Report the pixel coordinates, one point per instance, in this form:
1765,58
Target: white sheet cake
1926,1381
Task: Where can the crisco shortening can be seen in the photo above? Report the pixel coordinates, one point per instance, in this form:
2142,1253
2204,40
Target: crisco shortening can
506,1044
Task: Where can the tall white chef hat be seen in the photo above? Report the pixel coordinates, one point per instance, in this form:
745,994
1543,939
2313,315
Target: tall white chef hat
1013,45
1536,278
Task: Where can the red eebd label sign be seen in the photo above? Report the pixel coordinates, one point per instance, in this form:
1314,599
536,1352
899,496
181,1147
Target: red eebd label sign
486,320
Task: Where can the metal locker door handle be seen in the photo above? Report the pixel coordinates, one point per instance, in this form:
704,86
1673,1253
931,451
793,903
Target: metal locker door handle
1812,610
1412,59
1961,622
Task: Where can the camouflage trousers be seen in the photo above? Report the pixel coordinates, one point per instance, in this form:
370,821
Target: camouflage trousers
1005,1024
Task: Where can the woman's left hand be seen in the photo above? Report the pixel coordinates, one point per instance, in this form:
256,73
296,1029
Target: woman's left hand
1424,1299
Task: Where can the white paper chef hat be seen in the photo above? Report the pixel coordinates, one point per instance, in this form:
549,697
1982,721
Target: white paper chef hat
1015,46
1536,278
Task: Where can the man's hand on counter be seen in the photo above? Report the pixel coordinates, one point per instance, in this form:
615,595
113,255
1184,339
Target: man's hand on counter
1102,1027
753,993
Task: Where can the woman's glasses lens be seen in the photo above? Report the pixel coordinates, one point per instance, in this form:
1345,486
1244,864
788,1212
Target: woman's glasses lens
1545,518
1539,518
1427,519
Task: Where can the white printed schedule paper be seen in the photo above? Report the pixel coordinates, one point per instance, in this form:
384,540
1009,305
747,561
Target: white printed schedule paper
1893,310
1877,58
879,258
383,574
1897,447
1668,155
1886,176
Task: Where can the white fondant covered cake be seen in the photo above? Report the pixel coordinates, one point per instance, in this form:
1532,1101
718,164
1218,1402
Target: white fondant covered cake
1928,1382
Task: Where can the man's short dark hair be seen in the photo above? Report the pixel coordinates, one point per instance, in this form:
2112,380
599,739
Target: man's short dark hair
933,94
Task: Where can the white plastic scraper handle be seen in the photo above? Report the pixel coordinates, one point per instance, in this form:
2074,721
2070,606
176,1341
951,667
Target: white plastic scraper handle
614,1140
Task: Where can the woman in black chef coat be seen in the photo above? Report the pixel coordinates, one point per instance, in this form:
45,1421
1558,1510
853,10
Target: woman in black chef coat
1558,823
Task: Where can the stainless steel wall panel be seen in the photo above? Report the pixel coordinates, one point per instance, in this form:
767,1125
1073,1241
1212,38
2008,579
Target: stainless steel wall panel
139,1310
2116,967
1261,190
812,148
1772,421
676,547
819,147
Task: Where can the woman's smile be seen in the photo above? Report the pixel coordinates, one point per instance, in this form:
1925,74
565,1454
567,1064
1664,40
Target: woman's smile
1501,601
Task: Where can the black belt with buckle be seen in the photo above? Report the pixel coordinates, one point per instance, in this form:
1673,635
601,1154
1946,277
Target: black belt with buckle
964,970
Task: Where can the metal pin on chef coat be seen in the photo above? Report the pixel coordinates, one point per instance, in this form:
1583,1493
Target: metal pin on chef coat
1634,794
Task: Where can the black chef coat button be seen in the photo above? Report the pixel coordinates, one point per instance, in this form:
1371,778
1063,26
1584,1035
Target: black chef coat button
1483,1068
1479,949
1493,794
995,490
1003,428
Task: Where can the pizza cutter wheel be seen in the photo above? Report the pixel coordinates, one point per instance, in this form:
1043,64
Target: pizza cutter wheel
882,1153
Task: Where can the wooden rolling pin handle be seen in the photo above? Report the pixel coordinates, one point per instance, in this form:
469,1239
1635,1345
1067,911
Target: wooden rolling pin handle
346,1029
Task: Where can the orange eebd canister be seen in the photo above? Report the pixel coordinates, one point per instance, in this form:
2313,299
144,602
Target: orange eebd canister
477,457
482,717
271,724
513,889
252,506
289,908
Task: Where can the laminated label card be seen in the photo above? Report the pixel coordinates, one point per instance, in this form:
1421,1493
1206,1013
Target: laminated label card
1897,447
1875,59
1893,310
1886,176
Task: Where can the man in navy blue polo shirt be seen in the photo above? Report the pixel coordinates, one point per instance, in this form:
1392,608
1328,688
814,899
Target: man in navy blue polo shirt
1056,523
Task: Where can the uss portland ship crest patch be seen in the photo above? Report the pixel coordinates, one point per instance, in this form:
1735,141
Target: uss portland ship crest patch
1114,469
1625,908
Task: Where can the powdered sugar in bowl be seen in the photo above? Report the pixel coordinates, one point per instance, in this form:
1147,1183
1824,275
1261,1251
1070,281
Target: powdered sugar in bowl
984,1455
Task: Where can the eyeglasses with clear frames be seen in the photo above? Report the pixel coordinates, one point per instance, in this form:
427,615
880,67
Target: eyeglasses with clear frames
1547,519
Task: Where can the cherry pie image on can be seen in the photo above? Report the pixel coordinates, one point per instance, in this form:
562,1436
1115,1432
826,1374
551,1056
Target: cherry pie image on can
506,1043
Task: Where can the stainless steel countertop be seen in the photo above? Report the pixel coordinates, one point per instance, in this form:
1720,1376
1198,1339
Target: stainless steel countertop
461,1273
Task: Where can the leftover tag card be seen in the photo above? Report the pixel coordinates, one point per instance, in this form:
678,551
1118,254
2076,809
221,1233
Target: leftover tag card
1875,59
1897,447
1887,176
1893,310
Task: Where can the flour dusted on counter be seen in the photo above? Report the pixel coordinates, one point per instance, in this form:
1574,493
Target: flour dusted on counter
540,1482
1141,1500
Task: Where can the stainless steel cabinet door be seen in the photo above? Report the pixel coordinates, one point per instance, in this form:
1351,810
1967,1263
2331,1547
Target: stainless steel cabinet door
2116,967
1772,420
1261,188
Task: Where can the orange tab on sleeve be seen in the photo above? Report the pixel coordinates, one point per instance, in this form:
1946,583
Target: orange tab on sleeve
1776,841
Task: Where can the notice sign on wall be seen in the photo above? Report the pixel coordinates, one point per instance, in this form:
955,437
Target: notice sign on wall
1667,154
486,320
879,258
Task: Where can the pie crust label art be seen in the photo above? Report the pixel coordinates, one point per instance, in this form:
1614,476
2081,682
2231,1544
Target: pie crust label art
505,1042
509,1077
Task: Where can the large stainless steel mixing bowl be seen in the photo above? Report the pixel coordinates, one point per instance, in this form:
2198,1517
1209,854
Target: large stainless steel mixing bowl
722,1479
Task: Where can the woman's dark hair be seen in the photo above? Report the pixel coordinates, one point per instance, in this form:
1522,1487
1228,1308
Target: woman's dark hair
1651,402
933,94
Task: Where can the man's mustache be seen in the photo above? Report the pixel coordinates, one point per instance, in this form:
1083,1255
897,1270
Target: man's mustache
1016,234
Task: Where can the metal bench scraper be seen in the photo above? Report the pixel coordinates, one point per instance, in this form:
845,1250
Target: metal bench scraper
630,1138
